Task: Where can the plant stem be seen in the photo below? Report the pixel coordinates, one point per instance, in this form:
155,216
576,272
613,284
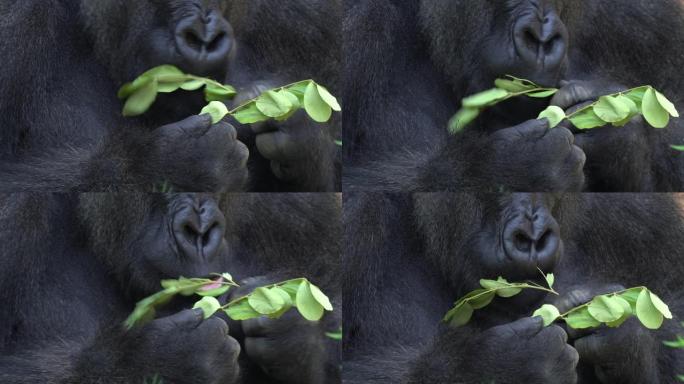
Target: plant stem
564,315
232,302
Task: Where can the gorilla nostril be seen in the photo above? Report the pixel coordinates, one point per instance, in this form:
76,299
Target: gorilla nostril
204,40
199,231
214,44
532,241
544,240
193,40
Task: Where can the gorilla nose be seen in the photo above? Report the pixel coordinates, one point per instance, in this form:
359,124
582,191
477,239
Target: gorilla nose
204,38
541,40
199,230
532,241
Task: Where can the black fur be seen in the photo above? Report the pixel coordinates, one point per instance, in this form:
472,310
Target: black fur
408,258
74,265
61,126
421,58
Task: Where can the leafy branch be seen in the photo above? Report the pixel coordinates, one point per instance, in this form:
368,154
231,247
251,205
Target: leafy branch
616,109
611,309
279,103
272,300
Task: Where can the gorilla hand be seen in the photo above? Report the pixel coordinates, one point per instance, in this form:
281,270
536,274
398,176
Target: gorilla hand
290,349
524,352
532,157
297,148
626,354
198,155
184,348
602,144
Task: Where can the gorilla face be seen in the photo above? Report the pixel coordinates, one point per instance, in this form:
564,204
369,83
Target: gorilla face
529,40
517,234
148,237
476,42
194,35
520,238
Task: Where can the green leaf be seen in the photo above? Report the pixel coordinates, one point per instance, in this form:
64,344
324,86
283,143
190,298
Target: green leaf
168,84
328,98
550,279
241,310
547,312
209,306
459,315
653,111
543,94
613,108
627,312
637,95
307,305
266,301
605,309
286,299
140,101
502,286
660,306
554,114
679,343
216,109
292,286
294,100
273,104
192,85
462,118
214,92
338,143
586,119
315,106
249,114
513,86
320,297
646,311
479,298
336,335
299,89
215,292
163,70
666,104
581,319
485,98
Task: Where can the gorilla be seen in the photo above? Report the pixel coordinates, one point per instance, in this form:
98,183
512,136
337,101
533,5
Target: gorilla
408,258
63,62
74,265
421,58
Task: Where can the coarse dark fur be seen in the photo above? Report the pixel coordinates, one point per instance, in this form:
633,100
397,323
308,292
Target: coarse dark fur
421,58
407,259
73,267
61,127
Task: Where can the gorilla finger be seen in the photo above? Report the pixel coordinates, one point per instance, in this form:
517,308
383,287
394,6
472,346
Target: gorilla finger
214,327
527,327
193,123
570,95
535,128
561,136
589,348
189,318
570,355
278,146
554,334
